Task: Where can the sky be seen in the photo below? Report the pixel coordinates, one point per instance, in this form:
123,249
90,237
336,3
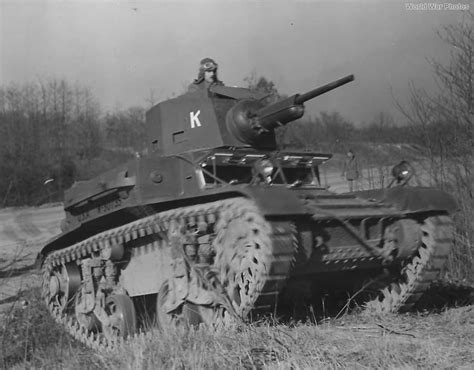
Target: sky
128,51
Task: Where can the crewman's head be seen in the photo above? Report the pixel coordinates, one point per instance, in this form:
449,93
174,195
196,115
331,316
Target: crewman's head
208,69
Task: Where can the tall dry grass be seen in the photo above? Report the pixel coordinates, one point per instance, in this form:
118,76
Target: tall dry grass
31,339
459,181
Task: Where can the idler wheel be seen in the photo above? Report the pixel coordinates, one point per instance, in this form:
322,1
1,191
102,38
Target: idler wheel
64,281
121,316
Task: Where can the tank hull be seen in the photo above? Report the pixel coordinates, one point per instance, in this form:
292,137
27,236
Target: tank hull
215,224
155,184
200,248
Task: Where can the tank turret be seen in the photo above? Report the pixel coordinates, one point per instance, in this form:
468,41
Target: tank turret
250,121
224,116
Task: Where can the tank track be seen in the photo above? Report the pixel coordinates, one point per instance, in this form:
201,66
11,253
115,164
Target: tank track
416,276
281,257
424,268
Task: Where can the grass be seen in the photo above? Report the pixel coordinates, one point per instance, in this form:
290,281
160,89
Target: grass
432,339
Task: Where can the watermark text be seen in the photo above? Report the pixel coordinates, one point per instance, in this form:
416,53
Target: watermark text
436,6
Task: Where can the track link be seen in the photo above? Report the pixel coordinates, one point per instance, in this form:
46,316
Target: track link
278,261
437,235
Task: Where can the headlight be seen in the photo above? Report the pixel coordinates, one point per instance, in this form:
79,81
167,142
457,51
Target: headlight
402,172
265,168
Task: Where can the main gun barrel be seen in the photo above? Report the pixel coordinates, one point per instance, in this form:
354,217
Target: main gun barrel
300,99
292,108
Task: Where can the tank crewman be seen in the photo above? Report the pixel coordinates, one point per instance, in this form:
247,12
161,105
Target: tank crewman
207,76
351,169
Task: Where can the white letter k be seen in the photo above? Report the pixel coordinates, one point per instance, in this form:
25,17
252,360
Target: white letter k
194,117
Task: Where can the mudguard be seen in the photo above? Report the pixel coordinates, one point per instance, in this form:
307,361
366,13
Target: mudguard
412,199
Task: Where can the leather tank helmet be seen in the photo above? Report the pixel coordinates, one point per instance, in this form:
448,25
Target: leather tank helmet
206,64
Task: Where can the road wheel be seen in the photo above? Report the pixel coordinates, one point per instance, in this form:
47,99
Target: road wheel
122,316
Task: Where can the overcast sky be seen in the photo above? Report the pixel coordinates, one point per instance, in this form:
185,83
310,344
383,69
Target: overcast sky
123,50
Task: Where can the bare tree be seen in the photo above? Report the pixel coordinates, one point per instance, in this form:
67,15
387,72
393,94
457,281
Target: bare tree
126,130
443,123
44,127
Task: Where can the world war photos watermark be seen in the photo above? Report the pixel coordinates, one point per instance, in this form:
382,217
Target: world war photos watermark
436,6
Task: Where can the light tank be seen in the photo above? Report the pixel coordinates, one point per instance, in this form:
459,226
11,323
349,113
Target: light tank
214,223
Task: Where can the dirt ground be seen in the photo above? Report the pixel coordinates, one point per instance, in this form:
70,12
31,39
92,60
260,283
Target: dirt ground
23,232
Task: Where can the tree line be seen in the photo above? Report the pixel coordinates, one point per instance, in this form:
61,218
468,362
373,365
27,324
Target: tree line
53,133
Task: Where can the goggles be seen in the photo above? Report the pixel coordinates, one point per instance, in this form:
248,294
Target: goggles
209,66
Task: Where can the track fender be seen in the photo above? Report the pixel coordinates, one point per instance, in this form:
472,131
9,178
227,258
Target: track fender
412,199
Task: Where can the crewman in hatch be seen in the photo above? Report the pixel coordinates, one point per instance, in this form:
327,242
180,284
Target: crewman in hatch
207,76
